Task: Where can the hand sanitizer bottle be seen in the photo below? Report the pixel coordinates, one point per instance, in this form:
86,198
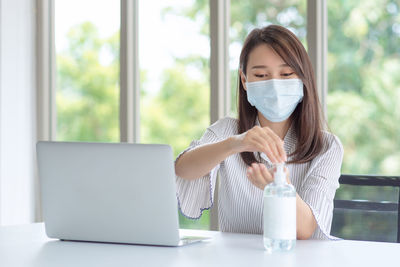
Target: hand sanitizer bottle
279,213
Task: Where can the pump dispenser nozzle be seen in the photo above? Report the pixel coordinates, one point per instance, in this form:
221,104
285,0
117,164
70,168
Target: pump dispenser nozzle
279,175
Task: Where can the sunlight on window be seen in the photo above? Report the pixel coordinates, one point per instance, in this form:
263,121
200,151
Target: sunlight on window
363,64
87,68
247,15
175,83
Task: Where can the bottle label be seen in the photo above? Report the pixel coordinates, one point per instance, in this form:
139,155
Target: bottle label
280,218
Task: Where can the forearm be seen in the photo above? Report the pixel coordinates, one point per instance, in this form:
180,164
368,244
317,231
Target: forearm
198,162
305,220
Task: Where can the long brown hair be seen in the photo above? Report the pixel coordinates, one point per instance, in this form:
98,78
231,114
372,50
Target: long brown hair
307,117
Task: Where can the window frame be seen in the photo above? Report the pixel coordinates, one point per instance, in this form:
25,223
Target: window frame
129,67
129,108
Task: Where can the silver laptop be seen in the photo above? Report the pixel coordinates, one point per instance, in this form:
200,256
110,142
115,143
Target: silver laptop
119,193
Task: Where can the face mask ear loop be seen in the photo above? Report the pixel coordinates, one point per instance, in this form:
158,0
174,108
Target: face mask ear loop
245,77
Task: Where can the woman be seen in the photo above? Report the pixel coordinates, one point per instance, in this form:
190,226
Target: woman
279,120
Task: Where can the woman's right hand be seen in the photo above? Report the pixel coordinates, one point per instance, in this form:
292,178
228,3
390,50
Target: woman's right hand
260,139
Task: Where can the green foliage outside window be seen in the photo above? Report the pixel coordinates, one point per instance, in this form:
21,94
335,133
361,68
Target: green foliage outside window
87,91
364,83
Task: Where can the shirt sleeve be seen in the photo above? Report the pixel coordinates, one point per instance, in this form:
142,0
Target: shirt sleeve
197,195
319,188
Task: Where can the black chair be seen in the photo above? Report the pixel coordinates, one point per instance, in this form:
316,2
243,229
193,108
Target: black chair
367,207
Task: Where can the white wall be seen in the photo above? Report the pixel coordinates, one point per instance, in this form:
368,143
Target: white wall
17,112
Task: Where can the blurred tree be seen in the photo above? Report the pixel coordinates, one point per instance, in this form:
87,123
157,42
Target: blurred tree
88,91
363,37
363,65
180,110
181,105
364,57
363,62
179,113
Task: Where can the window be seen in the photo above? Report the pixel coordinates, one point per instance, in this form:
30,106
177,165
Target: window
247,15
174,47
363,66
174,65
87,70
363,58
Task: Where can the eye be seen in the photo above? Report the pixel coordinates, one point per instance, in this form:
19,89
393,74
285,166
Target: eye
287,74
260,75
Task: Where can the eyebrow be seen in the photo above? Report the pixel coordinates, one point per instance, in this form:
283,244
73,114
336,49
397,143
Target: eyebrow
266,67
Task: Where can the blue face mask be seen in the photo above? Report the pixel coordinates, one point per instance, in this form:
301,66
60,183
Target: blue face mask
276,99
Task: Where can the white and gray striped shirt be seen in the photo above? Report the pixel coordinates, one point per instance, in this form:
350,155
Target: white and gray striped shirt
240,203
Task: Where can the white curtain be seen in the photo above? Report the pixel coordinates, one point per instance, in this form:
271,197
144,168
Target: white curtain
17,112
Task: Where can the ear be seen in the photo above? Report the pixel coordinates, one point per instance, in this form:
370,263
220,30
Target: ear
243,79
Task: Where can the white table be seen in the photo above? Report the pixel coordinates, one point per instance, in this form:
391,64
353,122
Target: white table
27,245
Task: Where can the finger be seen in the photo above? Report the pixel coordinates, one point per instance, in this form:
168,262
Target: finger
278,142
281,154
256,171
263,136
269,154
273,146
281,150
257,176
250,173
266,174
263,145
273,143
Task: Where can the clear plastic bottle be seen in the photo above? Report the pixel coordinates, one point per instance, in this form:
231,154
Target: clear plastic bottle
279,213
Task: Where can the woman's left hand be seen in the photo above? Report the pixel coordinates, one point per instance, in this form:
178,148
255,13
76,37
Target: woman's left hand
260,176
